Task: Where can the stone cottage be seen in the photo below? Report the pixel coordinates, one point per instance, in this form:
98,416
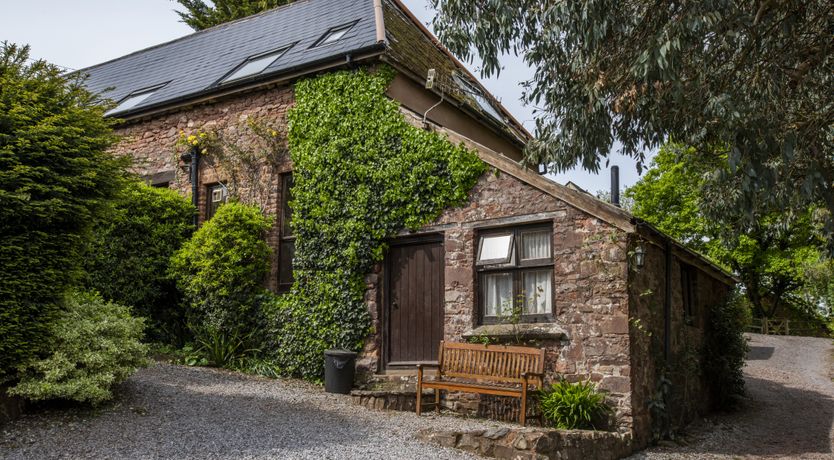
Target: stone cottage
608,296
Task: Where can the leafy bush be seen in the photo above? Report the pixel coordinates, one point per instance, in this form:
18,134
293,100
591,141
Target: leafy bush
221,269
95,345
129,258
55,177
222,348
573,406
724,351
362,173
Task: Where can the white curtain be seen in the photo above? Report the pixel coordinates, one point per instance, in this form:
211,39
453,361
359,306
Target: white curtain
538,293
535,245
498,297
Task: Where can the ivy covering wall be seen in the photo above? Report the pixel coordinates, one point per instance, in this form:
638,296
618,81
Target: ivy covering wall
362,174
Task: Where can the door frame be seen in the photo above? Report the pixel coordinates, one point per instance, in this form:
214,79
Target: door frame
385,335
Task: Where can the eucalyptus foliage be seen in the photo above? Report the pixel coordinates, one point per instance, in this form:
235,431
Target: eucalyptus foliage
95,345
361,175
770,255
221,269
55,179
756,77
201,15
128,258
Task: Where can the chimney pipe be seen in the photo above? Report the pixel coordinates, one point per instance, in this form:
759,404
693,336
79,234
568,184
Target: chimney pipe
615,186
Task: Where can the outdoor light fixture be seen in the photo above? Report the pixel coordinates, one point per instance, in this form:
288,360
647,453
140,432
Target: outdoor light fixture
639,257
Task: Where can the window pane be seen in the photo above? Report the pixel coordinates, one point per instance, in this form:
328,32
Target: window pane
334,35
535,245
286,210
132,101
496,247
498,294
285,275
255,65
537,292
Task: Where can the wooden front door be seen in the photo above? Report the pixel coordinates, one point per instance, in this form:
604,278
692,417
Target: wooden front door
414,304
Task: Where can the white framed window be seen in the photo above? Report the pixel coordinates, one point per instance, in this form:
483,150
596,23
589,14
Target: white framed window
495,249
513,286
217,196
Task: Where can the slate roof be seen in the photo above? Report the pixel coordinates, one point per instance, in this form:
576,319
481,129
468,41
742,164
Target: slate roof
194,64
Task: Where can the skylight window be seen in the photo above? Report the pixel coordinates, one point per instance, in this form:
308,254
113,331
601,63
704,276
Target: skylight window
479,97
255,65
334,34
135,98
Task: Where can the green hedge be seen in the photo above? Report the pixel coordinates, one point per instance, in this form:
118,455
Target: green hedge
55,178
221,269
362,173
128,260
725,349
95,345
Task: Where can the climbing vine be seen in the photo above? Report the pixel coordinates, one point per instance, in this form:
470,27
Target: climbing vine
362,174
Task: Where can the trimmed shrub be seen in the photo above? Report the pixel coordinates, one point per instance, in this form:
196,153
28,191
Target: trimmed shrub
574,406
724,351
221,269
128,260
55,178
95,345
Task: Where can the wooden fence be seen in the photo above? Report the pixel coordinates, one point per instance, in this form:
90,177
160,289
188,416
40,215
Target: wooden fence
776,326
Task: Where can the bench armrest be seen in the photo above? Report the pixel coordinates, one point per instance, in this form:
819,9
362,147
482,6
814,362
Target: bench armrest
532,374
420,366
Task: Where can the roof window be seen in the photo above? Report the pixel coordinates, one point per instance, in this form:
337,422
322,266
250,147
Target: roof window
135,98
334,34
255,65
478,96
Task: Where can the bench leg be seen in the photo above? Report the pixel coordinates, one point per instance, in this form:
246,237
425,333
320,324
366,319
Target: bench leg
523,417
419,390
437,400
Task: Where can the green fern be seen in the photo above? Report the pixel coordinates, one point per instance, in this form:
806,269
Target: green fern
573,405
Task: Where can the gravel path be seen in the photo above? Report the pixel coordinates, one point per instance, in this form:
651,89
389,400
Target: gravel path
169,411
788,412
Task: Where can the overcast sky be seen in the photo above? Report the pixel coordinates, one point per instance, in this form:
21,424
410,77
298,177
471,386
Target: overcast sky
80,33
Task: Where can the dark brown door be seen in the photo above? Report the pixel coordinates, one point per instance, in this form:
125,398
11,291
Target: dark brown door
414,304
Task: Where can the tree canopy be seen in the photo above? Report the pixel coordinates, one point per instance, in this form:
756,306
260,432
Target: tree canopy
754,77
772,256
200,15
56,177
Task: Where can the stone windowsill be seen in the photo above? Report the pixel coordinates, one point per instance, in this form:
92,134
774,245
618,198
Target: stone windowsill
521,331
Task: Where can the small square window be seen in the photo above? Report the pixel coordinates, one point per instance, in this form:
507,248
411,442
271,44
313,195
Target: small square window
495,249
515,274
217,196
334,34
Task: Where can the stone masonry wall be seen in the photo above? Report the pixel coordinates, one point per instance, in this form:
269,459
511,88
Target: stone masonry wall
687,392
591,299
152,145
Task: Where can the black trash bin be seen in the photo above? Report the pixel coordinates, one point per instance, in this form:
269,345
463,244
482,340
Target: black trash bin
339,366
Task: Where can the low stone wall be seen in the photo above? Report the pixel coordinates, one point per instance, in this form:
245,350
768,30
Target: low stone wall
11,407
405,401
535,443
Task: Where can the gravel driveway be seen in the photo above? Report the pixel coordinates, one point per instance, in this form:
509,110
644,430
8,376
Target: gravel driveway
788,412
169,411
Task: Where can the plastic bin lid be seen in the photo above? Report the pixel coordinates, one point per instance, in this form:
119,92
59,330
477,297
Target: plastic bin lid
340,353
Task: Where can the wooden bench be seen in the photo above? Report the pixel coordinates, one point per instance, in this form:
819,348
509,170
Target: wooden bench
484,369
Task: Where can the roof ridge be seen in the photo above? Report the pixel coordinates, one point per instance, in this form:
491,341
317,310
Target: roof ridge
194,34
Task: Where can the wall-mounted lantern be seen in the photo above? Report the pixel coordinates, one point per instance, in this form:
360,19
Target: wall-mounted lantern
639,257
